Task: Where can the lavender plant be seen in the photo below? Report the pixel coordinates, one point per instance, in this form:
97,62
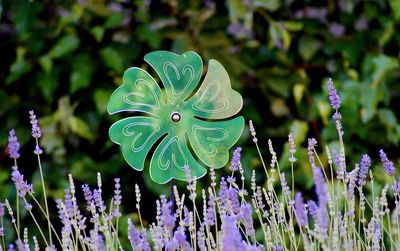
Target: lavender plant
226,215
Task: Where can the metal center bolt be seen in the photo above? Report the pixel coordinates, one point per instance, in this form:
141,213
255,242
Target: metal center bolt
175,116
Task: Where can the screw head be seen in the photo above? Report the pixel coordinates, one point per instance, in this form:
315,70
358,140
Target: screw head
175,117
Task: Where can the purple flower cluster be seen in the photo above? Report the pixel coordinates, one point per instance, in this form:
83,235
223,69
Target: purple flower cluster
334,98
246,215
231,237
117,198
300,210
387,164
364,168
13,145
36,132
235,161
22,186
137,240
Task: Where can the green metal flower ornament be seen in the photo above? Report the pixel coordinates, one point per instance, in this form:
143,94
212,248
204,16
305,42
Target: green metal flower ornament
183,117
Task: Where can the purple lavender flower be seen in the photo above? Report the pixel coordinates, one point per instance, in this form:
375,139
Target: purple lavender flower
28,207
336,29
137,240
11,247
180,238
201,239
233,199
21,185
167,216
100,243
36,132
334,98
1,231
300,210
377,231
239,31
311,143
387,164
396,187
117,197
246,216
235,162
231,237
361,24
320,187
277,247
88,195
13,145
2,209
364,168
98,201
209,4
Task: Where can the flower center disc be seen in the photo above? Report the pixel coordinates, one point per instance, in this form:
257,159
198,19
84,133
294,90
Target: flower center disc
175,116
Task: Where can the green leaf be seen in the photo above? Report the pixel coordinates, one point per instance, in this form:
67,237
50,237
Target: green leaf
19,67
82,72
308,47
80,127
370,97
114,20
64,46
100,98
48,83
271,5
293,25
279,35
387,117
112,58
395,6
298,92
98,33
382,65
46,62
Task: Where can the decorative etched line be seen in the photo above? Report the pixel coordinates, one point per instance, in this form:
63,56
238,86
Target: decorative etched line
177,149
224,101
186,68
139,84
128,132
214,150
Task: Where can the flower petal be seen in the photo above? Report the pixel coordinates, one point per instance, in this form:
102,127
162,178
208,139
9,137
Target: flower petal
180,74
211,140
136,135
170,159
215,98
139,92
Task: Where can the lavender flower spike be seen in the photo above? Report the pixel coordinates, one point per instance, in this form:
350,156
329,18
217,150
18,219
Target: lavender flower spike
235,162
364,168
334,98
36,132
13,145
387,164
320,187
300,210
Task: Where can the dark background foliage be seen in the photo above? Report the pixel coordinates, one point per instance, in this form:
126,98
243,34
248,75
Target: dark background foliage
64,58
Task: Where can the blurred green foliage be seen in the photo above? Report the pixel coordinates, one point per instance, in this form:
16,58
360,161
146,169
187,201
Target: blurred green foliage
64,59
